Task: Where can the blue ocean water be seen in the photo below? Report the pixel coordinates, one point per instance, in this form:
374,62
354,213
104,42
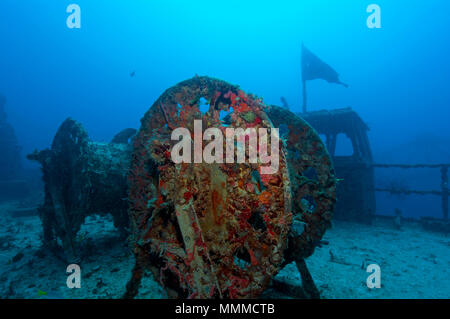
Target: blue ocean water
397,74
108,73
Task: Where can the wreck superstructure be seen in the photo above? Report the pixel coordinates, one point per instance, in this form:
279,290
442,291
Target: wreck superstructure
354,170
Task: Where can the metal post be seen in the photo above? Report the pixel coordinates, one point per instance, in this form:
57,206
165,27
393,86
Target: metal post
444,187
304,96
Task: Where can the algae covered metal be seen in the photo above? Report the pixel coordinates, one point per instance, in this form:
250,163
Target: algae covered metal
81,178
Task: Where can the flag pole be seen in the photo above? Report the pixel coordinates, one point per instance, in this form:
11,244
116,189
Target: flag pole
304,96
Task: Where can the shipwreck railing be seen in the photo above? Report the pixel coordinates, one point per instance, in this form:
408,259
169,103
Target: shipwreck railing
444,193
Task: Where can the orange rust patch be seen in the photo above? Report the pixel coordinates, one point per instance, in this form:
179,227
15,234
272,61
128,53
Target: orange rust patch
265,197
216,203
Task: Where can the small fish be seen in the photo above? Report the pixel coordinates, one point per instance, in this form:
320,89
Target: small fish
132,74
41,293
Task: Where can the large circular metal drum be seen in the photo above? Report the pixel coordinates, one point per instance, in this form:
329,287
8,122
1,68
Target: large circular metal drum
207,230
219,229
81,178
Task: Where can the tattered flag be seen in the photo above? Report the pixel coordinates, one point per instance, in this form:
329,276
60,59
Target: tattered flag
314,68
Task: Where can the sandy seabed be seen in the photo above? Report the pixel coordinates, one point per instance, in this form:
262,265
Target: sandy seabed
414,263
